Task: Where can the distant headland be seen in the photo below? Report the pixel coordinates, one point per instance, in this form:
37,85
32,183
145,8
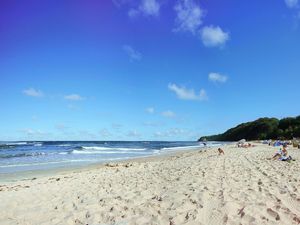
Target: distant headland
260,129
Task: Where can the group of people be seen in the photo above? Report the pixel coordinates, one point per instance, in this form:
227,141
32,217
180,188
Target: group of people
281,154
244,145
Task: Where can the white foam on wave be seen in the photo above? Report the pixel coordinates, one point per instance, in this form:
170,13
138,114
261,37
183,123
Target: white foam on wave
106,152
192,147
156,151
182,148
111,148
16,143
64,153
38,144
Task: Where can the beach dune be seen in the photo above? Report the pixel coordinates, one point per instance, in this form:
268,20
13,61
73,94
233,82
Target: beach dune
195,187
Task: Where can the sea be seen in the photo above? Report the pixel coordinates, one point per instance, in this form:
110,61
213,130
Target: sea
46,155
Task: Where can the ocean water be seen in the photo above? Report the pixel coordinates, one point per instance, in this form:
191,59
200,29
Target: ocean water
44,155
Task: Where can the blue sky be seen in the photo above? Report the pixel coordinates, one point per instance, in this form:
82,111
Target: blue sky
145,69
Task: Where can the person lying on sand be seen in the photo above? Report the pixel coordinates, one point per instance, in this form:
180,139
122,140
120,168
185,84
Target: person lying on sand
221,151
245,145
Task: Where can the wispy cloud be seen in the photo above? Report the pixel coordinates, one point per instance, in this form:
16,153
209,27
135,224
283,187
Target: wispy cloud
116,126
188,16
105,133
33,92
133,134
168,114
217,77
173,132
61,127
203,95
87,135
73,107
150,110
214,36
132,53
133,13
291,3
188,94
32,132
153,124
34,118
119,3
150,7
294,6
145,8
73,97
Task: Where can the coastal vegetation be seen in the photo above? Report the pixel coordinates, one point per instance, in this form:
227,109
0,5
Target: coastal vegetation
260,129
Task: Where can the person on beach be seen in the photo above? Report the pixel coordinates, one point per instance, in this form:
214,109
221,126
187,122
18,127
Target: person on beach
278,154
221,151
282,154
245,145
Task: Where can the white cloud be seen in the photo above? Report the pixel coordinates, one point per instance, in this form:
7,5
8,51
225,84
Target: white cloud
33,92
188,16
73,97
145,8
168,114
187,94
214,36
133,54
216,77
150,7
291,3
150,110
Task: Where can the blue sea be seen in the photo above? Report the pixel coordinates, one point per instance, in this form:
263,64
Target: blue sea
45,155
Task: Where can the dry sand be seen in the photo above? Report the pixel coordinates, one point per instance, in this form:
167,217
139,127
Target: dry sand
199,187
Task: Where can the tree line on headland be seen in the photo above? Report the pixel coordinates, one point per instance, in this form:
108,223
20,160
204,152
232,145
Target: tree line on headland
261,129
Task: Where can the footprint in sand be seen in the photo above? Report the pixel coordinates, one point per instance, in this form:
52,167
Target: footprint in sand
273,214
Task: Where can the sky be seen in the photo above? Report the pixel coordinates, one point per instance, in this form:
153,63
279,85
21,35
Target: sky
145,69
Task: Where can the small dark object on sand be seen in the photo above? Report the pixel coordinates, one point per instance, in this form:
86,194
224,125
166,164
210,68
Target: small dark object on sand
221,151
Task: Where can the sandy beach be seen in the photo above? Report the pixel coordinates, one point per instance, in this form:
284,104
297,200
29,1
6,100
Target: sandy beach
198,187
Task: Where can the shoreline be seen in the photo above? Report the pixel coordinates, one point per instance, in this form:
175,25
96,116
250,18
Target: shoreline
35,174
190,187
